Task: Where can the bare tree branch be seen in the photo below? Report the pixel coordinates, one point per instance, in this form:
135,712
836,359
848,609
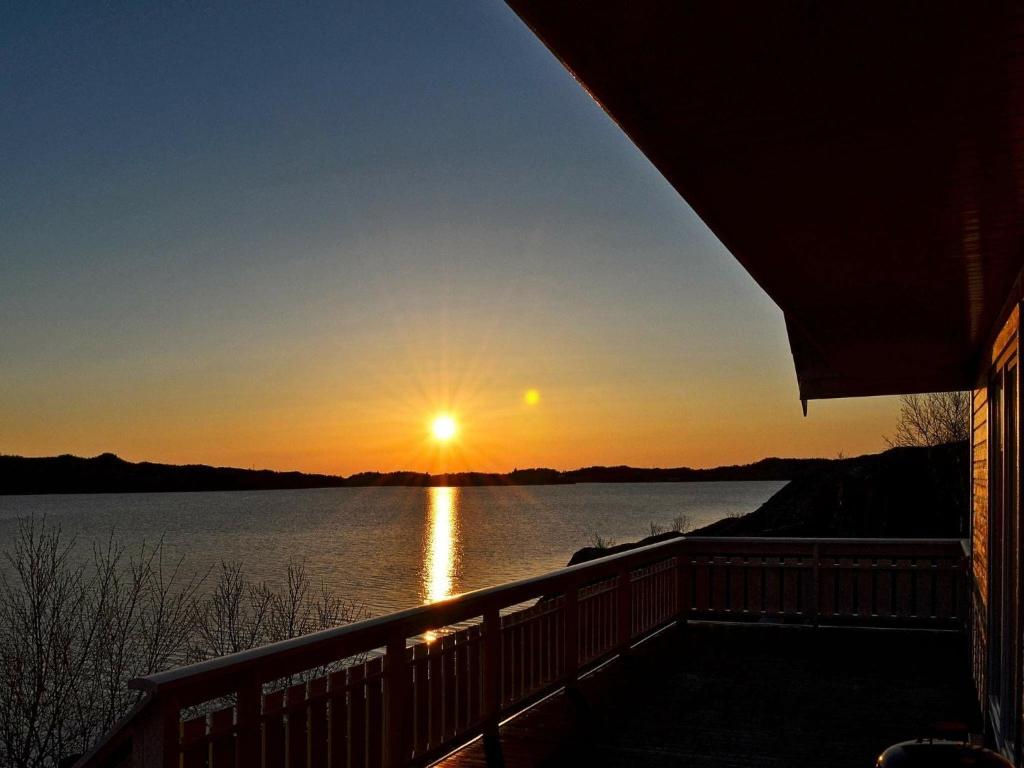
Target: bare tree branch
72,634
933,419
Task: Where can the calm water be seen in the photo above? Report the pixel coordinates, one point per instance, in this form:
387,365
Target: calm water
389,548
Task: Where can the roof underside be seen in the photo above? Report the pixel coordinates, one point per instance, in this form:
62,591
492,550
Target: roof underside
863,161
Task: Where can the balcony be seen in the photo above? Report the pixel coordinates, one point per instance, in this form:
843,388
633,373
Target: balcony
721,651
722,696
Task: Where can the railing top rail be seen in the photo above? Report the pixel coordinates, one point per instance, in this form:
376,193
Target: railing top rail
215,676
824,546
117,735
809,540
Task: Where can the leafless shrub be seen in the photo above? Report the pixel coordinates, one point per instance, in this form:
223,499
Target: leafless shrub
73,634
166,623
933,419
232,616
332,610
45,643
141,617
238,614
600,542
682,524
679,524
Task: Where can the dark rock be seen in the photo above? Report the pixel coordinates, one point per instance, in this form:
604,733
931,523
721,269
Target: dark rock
587,554
903,492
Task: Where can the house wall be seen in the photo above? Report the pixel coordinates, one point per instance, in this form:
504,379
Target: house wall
1004,343
979,540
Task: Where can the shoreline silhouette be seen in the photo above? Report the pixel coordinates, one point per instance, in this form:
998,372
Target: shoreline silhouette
108,473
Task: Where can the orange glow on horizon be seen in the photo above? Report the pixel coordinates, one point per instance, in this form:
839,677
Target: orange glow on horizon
593,410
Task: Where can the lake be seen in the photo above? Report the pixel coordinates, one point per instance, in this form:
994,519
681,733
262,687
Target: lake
388,548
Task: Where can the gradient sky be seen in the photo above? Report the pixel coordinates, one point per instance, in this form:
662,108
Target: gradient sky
284,235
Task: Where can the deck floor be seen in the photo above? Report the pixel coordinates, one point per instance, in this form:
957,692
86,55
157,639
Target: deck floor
711,696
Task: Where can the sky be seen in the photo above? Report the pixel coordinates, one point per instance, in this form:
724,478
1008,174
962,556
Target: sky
288,235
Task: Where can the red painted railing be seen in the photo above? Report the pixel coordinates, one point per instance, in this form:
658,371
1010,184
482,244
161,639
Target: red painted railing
319,702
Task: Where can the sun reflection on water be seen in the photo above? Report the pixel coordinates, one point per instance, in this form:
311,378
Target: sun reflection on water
441,555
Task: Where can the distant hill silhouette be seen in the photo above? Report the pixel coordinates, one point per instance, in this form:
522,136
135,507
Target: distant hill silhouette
901,492
765,469
108,473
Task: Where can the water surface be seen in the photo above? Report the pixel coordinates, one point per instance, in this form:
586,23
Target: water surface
388,548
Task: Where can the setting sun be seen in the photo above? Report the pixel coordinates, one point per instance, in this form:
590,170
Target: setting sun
443,427
532,396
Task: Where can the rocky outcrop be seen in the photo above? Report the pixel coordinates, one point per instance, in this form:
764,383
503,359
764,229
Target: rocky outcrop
587,554
903,492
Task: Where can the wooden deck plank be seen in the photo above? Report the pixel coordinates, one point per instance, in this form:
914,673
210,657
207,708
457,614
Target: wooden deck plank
713,696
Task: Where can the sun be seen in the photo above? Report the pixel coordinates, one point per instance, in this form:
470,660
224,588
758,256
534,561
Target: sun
443,427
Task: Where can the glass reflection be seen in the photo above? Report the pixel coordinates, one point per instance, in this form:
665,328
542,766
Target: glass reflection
441,555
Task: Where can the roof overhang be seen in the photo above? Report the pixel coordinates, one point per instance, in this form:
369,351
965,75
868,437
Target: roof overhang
862,160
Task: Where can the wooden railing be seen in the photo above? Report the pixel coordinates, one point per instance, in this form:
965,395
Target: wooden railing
369,694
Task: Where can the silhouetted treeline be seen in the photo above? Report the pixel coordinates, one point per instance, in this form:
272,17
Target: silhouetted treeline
516,477
765,469
108,473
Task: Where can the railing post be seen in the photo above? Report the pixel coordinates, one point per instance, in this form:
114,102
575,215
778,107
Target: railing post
571,641
247,708
155,738
624,609
962,592
492,686
815,582
682,588
397,702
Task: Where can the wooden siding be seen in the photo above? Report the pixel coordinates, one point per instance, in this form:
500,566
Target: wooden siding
1004,342
979,506
979,538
